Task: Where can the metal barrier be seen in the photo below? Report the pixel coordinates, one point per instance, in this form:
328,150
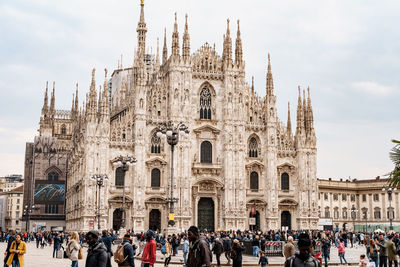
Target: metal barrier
274,248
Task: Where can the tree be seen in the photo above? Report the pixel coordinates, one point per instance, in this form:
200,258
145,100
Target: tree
394,176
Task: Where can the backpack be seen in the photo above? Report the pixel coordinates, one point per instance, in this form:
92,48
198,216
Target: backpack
198,250
119,254
163,250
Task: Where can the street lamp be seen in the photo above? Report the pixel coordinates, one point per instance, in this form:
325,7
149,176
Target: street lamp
390,191
28,209
172,132
99,179
123,163
354,216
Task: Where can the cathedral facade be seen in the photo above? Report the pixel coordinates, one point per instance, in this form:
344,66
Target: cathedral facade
240,167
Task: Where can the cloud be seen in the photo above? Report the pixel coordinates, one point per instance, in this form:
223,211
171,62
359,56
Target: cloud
373,88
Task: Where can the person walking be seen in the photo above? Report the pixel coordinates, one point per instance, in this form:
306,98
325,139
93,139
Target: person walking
227,248
326,250
288,249
56,243
383,250
263,259
236,254
17,251
392,253
185,249
73,248
97,252
149,251
107,240
199,254
128,252
168,251
217,249
256,245
342,251
10,239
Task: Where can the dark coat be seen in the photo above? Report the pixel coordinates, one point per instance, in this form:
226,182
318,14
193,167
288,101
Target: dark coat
107,240
129,254
199,254
237,256
227,245
97,256
218,248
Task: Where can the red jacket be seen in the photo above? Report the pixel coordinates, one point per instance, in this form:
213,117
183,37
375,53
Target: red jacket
149,252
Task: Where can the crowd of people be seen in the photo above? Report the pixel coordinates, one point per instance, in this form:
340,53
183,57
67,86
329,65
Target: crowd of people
301,248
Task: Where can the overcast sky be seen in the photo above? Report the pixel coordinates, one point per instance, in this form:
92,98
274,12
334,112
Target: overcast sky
348,52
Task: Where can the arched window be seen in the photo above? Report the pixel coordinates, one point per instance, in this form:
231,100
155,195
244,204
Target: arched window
155,144
52,176
205,104
285,181
253,148
119,177
254,181
206,152
155,177
63,129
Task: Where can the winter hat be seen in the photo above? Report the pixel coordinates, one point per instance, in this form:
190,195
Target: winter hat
150,232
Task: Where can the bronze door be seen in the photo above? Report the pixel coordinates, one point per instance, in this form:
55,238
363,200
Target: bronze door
205,214
155,220
286,219
117,219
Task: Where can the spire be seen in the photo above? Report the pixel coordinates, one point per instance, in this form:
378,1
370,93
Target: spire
252,83
141,31
186,41
175,40
158,54
238,48
300,119
45,108
76,98
310,115
165,49
305,117
227,51
52,101
270,80
289,122
106,106
92,101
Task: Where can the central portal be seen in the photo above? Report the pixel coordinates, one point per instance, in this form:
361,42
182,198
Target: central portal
155,220
205,214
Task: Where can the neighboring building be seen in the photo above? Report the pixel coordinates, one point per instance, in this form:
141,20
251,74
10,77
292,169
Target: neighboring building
10,182
46,169
14,209
359,203
239,162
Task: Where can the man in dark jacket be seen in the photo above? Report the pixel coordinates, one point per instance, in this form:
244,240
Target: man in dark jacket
199,254
217,249
57,242
7,252
97,252
129,252
227,248
107,240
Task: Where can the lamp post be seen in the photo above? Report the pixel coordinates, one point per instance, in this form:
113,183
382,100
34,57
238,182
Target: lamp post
172,132
354,216
124,163
28,209
99,179
390,191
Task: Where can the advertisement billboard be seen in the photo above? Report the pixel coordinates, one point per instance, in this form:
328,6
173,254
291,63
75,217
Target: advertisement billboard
49,192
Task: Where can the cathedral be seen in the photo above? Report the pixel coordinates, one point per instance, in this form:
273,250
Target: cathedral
240,166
